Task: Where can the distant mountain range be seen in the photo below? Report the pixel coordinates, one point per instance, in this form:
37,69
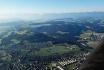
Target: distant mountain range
54,16
60,30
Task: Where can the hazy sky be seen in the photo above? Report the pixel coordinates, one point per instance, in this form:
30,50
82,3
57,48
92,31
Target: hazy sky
12,8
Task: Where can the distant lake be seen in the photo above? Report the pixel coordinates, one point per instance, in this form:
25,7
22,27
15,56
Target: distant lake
40,25
5,28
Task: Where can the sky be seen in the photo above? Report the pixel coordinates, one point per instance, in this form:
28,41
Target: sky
23,8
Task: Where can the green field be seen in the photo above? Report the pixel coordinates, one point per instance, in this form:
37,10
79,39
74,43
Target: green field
54,50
